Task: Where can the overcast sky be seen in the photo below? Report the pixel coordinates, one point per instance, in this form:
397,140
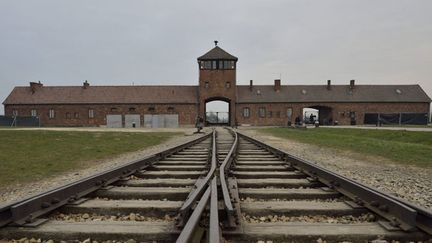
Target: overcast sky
157,42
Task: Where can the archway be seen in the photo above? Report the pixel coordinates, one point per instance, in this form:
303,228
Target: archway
322,114
217,111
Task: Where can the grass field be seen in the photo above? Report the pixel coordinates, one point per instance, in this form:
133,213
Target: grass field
413,148
32,155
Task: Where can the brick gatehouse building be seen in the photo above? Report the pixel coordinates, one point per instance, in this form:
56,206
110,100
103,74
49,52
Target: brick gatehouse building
171,106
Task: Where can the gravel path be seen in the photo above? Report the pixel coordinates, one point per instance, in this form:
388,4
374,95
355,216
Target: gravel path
21,191
408,182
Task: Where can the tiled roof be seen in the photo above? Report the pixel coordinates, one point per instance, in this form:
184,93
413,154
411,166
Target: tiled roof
337,93
217,53
103,95
189,94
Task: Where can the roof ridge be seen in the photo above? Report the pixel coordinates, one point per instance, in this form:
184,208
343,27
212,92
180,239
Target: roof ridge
217,53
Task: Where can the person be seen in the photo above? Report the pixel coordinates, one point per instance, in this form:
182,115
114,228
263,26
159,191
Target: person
199,124
297,121
311,118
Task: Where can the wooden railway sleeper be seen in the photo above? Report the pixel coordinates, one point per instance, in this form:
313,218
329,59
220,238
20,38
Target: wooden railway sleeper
406,216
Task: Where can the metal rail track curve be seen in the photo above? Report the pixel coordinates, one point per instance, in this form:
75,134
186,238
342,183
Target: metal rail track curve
240,190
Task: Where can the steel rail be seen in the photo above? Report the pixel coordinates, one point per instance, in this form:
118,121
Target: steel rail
222,175
200,185
28,210
399,213
214,234
188,231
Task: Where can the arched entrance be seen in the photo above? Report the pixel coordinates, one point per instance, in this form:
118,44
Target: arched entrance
322,114
217,111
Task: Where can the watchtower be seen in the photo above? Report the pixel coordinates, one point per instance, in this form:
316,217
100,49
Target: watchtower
217,80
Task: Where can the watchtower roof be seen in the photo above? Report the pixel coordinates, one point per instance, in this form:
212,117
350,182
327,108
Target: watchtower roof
217,53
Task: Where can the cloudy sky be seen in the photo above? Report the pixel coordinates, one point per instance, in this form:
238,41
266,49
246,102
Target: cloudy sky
157,42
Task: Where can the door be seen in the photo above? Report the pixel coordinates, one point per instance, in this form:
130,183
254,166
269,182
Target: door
132,121
114,121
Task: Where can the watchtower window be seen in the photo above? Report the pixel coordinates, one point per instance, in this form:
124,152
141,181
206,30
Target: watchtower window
229,65
213,65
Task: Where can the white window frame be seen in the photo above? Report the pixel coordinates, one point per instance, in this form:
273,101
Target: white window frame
51,113
246,112
33,112
91,113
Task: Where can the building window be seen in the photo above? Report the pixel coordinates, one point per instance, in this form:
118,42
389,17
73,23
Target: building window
68,115
151,109
132,109
262,112
33,113
205,64
289,113
221,65
113,109
51,114
246,112
91,113
206,85
270,114
227,85
217,64
228,64
76,115
170,109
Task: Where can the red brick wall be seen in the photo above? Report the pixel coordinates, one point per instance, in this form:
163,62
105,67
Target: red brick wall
217,88
340,111
186,112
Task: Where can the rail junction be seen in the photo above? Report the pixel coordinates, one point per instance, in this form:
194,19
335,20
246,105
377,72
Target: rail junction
223,186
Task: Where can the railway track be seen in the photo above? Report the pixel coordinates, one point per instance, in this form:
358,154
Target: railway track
139,201
224,186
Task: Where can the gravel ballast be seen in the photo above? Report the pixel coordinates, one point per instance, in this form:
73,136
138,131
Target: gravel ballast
348,219
411,183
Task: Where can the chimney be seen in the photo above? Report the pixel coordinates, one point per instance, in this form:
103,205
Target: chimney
352,83
250,84
277,85
86,84
328,84
34,86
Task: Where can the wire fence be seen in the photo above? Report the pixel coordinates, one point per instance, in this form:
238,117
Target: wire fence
19,121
